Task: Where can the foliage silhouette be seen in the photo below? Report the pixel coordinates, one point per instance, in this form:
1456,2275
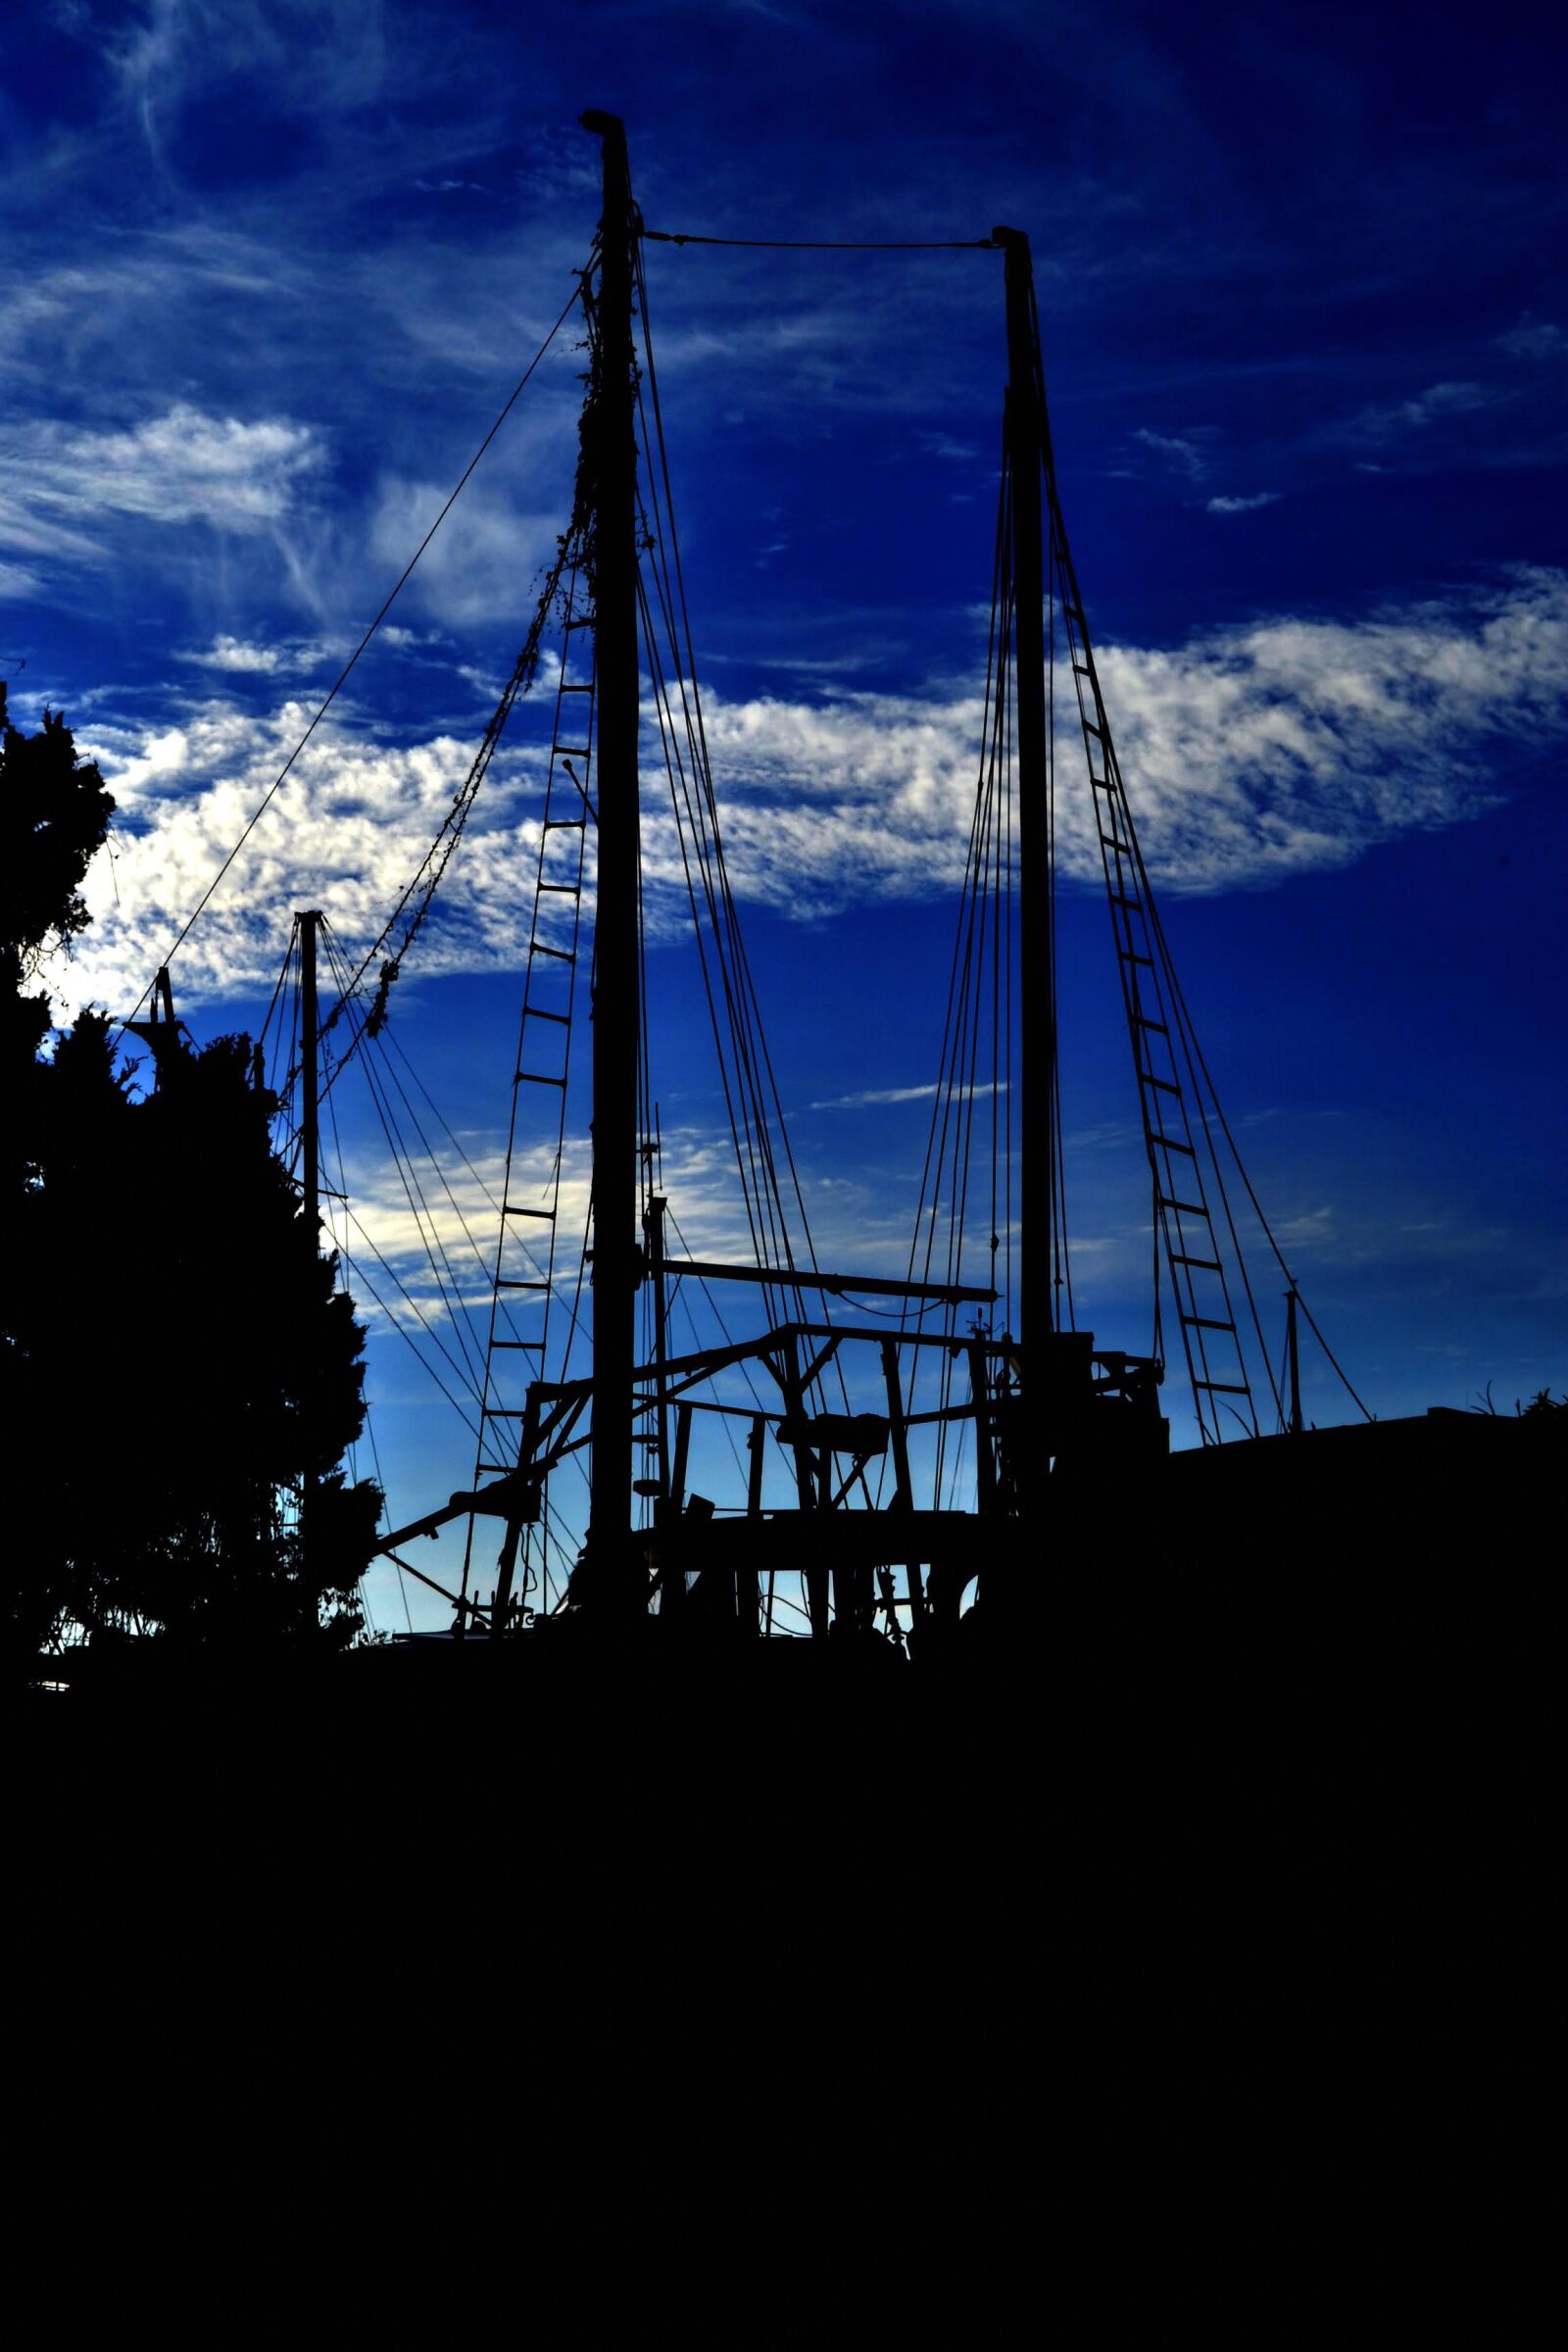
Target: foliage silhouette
54,816
176,1361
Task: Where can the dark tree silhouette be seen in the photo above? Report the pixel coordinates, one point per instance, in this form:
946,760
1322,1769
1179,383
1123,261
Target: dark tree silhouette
54,816
202,1367
177,1364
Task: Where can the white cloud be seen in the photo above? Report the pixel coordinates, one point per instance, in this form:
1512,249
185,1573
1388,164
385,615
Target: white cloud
1243,505
946,445
1251,754
1533,339
872,1096
1386,420
232,653
1179,450
183,467
473,566
284,657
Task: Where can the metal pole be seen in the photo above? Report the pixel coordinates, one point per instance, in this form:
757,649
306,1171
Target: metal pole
1025,441
985,1459
1292,1353
613,1585
310,1149
654,1227
506,1564
310,1075
806,1483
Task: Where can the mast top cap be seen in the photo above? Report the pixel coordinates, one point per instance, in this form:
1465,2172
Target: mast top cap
998,237
604,126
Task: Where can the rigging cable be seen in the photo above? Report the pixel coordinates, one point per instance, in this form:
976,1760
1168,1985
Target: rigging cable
665,236
344,674
1240,1167
342,1197
753,1057
953,1107
428,876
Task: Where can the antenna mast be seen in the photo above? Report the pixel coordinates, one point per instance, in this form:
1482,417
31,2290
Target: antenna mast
611,1584
1025,442
310,1154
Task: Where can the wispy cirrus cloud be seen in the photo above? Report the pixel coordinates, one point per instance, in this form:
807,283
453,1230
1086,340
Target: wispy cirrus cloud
1389,419
1533,339
870,1096
1180,453
1243,505
873,1098
1252,754
243,658
70,495
184,466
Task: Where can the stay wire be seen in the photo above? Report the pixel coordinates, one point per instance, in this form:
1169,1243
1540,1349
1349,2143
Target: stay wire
425,1216
1329,1353
419,1212
462,1370
282,977
456,1204
356,1266
370,1421
1058,1144
956,1019
741,957
672,770
665,236
350,664
1167,985
390,1036
759,1190
993,661
748,1131
1241,1168
1128,958
429,874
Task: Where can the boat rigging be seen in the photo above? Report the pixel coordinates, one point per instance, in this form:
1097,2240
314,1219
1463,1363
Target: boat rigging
909,1450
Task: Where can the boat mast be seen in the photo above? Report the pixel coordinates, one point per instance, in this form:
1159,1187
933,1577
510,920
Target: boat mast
1025,442
311,1155
609,427
309,1074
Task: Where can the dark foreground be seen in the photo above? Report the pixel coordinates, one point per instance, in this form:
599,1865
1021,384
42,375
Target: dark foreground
1189,1956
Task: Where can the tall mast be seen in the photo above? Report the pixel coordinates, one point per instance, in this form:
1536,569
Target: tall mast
310,1156
1025,440
612,456
310,1075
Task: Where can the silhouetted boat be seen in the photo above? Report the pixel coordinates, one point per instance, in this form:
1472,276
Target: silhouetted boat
919,1464
937,1472
1145,1736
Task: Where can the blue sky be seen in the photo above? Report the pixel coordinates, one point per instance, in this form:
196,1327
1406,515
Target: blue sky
271,271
